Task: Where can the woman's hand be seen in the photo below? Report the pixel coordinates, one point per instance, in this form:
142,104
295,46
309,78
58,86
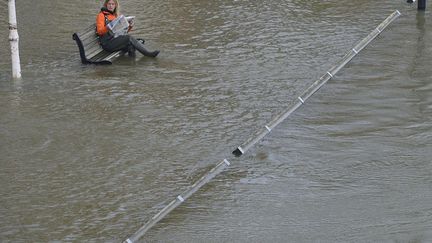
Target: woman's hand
131,24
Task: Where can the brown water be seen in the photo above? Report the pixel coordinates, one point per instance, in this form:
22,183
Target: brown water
90,153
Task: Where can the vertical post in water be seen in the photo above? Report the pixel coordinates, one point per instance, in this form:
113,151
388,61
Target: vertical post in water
13,39
421,4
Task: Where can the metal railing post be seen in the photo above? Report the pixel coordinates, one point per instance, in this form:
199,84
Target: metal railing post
13,39
421,5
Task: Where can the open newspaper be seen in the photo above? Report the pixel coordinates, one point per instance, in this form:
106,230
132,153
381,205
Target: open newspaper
120,25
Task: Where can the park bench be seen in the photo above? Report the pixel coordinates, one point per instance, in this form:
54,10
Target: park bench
90,50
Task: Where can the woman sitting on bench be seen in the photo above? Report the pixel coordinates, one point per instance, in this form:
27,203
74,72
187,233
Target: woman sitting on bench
108,13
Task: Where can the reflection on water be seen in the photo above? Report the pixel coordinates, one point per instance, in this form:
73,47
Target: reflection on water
89,153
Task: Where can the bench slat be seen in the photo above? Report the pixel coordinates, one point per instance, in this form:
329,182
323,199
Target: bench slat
89,49
88,37
91,54
100,56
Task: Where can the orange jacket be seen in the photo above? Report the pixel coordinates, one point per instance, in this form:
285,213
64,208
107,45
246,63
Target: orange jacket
101,28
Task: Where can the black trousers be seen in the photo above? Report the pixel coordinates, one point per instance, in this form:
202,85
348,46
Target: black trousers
126,43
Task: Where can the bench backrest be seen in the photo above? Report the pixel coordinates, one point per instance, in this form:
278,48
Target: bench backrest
90,49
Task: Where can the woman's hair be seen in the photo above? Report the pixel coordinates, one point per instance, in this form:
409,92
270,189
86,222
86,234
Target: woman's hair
117,9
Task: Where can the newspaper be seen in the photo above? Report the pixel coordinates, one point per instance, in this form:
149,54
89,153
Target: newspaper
120,25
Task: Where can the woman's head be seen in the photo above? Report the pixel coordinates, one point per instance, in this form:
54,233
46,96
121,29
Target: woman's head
113,6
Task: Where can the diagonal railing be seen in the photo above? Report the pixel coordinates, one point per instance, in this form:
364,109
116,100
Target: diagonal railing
263,132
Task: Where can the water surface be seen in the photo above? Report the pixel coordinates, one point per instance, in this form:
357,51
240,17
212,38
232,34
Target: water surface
90,153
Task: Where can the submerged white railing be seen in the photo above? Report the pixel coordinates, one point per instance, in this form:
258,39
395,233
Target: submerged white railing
315,86
262,133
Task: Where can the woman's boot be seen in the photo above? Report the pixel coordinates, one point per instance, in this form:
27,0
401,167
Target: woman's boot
140,47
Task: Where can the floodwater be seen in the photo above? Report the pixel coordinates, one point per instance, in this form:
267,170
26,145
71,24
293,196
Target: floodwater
90,153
